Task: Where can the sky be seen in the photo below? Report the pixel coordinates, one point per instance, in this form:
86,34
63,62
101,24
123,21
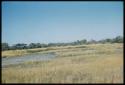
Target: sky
50,22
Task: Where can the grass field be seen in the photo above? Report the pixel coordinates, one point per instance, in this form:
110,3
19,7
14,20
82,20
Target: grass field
94,63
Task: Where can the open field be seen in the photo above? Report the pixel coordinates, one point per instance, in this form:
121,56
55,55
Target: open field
94,63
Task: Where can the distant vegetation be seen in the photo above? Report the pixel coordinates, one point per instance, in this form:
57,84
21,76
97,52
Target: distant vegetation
5,46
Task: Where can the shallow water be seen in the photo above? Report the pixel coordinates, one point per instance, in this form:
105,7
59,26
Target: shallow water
27,58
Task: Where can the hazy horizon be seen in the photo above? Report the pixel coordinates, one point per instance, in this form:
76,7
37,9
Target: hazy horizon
53,22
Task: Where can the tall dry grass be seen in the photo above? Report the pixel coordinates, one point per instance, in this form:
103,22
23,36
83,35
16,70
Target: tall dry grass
97,63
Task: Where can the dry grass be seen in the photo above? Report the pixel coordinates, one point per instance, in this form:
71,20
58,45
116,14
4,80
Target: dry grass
14,53
97,63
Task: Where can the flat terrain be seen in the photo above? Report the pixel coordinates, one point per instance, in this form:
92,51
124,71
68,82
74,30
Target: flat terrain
94,63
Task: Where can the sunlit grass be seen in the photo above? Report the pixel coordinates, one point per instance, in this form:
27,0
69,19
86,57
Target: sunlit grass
96,63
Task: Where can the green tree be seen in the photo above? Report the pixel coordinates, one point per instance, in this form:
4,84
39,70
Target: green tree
19,46
83,41
32,45
118,39
5,46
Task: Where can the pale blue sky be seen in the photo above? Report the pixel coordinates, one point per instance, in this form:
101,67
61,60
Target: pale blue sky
45,22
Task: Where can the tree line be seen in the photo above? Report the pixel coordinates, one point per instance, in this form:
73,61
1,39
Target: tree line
5,46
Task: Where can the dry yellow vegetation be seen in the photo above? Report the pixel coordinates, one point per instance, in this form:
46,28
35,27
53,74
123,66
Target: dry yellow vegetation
94,63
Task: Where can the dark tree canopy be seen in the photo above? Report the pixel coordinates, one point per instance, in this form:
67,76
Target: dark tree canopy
5,46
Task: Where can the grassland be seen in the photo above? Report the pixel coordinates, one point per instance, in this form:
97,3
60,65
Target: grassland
95,63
